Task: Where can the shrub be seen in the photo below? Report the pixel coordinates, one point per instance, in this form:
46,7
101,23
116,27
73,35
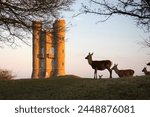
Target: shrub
6,74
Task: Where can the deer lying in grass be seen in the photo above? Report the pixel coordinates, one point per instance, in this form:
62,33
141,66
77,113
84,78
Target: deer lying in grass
123,73
99,65
145,71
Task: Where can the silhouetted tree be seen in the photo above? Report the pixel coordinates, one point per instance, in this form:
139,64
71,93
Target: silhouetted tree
138,9
16,17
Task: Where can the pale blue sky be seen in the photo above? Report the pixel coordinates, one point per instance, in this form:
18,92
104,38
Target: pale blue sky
117,40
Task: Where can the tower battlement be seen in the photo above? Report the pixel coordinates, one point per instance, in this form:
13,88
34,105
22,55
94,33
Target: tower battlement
48,50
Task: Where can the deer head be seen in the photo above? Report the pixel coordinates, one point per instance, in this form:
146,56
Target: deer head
144,69
115,66
89,58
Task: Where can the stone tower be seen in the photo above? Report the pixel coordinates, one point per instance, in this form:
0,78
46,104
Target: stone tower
48,50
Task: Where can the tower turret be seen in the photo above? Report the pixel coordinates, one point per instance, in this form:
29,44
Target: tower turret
37,27
59,47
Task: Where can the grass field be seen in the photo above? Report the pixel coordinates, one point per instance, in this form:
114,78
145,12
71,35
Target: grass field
72,88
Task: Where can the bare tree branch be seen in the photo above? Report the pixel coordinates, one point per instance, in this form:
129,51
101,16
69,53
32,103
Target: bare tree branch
138,9
16,17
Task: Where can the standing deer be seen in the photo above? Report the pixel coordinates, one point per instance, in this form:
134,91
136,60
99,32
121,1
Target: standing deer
145,71
123,73
99,65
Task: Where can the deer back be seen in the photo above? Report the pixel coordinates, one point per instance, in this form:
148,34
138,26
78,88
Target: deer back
101,65
127,72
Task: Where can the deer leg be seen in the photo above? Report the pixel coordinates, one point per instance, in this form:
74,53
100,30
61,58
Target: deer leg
110,71
95,74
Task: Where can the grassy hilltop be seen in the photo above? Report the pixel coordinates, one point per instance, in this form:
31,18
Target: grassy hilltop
74,88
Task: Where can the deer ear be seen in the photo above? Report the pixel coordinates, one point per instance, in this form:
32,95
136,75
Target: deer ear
92,53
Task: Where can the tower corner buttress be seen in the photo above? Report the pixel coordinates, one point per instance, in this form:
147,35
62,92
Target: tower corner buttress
59,47
37,27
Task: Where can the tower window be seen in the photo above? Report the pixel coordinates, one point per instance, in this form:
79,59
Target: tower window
63,38
42,50
52,50
63,64
52,64
42,64
63,51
